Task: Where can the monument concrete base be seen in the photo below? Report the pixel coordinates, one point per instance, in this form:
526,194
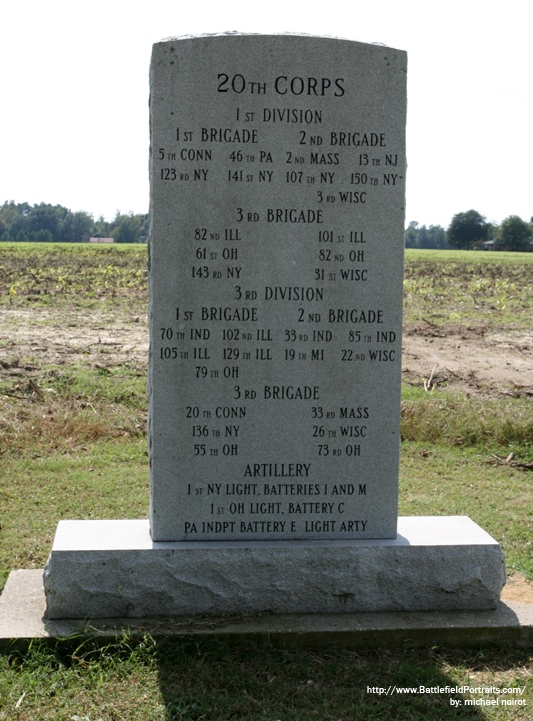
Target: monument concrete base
106,569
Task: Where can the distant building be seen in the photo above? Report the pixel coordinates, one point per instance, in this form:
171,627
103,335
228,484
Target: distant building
101,240
484,245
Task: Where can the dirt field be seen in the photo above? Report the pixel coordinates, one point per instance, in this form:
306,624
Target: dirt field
34,337
475,361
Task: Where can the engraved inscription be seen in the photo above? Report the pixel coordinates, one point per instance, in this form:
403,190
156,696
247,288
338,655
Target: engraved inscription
277,185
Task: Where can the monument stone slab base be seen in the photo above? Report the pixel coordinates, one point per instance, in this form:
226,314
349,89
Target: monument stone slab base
100,569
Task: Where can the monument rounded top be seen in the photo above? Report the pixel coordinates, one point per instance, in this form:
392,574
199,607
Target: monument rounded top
237,33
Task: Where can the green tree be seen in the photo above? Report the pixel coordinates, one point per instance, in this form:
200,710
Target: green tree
47,217
411,234
515,234
102,228
467,228
10,212
76,227
54,222
16,216
130,228
43,235
422,237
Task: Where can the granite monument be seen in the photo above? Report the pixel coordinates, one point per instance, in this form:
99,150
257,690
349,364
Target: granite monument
277,168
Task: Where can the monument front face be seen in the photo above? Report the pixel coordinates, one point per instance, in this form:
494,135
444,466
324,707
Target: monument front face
276,267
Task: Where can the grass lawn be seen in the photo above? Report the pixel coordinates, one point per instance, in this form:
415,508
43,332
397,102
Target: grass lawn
73,445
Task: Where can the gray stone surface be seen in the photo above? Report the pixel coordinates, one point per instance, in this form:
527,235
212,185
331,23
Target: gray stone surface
276,266
113,569
22,606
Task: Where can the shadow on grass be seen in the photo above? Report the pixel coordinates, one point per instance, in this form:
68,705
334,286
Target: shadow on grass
211,681
144,679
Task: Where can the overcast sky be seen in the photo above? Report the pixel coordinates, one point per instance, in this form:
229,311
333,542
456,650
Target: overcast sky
74,95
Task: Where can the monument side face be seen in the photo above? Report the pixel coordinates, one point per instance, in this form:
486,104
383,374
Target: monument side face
276,269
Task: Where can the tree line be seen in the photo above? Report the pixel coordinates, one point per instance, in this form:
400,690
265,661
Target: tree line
45,223
54,223
471,230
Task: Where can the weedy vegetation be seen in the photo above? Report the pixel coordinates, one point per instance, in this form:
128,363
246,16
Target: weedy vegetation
73,445
485,289
48,273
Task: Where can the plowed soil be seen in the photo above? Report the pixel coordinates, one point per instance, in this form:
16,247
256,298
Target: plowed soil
471,360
